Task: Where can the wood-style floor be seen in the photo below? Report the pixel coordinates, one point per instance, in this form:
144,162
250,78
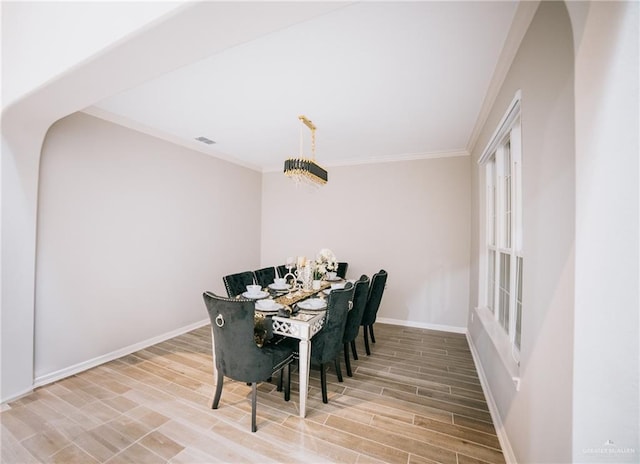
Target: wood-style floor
416,399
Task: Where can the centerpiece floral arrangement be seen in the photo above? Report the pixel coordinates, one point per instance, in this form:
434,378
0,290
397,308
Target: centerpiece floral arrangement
325,262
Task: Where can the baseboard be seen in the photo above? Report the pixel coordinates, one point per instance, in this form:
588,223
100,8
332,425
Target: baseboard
507,450
422,325
4,406
86,365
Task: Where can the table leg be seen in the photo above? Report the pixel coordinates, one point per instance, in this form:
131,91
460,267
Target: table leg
303,364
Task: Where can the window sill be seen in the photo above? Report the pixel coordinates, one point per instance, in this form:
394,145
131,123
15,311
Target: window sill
501,343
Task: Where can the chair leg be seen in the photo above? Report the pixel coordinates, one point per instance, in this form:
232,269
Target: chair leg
254,401
323,383
279,387
347,361
366,340
373,337
338,370
353,350
216,398
287,387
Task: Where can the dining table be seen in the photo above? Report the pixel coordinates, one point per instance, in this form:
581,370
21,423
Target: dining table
301,324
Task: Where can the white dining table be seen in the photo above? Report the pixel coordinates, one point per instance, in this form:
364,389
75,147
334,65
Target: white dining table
303,326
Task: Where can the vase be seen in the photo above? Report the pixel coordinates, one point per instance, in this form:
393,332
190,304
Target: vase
307,278
317,284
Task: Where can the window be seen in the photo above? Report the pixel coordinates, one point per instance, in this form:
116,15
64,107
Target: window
503,258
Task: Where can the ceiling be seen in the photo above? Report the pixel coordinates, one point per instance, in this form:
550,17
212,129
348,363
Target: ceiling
380,80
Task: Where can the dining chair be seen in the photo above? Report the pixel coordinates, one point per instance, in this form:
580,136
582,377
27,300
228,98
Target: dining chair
378,283
282,270
236,354
326,346
236,284
264,277
354,317
342,270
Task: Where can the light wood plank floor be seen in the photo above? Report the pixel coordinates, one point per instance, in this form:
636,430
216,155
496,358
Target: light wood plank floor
417,399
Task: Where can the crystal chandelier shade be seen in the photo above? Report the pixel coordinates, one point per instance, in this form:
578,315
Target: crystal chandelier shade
306,170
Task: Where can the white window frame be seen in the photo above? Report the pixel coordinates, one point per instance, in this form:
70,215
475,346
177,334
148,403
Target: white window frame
501,235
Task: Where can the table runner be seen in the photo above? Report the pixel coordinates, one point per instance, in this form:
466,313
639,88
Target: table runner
262,323
300,295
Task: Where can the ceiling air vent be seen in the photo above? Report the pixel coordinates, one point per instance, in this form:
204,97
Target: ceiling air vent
205,140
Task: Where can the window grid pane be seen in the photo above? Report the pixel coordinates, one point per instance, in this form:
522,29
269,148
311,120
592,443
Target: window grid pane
506,223
504,291
491,281
491,202
518,334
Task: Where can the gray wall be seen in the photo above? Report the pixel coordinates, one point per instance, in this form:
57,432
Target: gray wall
578,71
606,402
131,231
538,418
410,218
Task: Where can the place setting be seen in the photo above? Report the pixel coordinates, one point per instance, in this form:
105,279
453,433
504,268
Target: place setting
255,292
313,304
333,277
267,306
337,286
279,285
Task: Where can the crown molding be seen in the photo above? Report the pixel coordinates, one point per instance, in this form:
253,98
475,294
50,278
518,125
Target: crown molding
199,147
139,127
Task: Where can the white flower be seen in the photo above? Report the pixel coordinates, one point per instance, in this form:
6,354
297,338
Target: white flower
326,261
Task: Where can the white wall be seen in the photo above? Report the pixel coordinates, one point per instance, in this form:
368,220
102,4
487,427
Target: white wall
538,418
410,218
131,231
184,34
606,403
579,397
41,40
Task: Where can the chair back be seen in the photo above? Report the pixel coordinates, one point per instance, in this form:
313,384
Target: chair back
237,355
354,317
236,284
378,283
264,277
327,344
342,270
282,270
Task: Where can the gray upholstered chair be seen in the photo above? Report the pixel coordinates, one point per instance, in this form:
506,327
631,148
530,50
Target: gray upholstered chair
326,346
342,270
354,318
236,284
378,283
264,277
236,354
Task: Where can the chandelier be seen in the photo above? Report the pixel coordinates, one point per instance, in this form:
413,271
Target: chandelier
305,170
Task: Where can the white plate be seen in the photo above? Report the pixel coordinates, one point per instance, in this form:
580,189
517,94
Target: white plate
326,291
255,296
273,307
279,287
335,279
314,304
267,313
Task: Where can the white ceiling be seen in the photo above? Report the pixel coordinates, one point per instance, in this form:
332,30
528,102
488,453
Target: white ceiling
380,80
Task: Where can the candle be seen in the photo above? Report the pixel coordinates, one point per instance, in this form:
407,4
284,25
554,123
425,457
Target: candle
301,261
